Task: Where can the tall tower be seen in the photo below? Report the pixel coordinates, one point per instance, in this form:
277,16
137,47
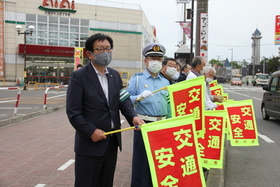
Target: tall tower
256,47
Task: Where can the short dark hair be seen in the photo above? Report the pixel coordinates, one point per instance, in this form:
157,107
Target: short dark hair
197,60
167,59
79,65
184,66
97,37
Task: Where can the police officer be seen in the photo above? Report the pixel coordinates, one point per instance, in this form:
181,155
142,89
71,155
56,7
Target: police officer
152,107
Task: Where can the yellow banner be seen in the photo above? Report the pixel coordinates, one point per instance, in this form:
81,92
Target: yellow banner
242,125
212,143
78,56
173,153
188,97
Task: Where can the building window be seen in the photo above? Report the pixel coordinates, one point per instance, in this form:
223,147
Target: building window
57,31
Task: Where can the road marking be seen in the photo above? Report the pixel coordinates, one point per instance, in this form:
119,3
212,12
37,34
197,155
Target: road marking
8,101
265,138
56,96
66,165
122,121
11,108
240,94
40,185
257,98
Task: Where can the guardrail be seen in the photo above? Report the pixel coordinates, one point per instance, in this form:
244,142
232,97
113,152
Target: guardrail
17,100
46,94
29,84
3,80
44,85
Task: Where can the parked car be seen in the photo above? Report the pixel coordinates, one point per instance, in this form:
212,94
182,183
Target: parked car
236,81
271,98
221,79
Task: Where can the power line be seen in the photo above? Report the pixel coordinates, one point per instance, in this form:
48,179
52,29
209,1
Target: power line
237,45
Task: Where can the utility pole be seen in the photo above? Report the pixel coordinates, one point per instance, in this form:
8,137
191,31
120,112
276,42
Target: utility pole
253,57
231,62
201,7
192,15
264,64
184,35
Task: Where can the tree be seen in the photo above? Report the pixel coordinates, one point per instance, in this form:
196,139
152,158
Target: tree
213,62
244,63
235,65
272,64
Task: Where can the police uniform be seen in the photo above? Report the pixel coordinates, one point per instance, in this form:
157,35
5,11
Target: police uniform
151,109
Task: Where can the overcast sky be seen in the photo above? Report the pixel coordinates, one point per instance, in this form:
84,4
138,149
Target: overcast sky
231,24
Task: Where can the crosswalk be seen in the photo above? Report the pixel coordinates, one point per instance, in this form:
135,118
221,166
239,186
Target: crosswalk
243,88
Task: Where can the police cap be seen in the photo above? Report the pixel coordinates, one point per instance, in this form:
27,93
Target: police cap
154,49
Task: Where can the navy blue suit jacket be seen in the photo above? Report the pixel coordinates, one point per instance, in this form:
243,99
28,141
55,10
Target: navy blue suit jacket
87,108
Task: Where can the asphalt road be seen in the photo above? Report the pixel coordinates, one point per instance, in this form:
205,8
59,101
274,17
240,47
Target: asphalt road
254,166
30,101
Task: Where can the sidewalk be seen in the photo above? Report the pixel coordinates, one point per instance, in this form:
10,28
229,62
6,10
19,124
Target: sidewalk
33,150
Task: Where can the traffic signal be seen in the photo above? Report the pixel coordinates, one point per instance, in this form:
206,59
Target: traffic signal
189,13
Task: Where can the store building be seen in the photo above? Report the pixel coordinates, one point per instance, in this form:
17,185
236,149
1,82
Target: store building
60,28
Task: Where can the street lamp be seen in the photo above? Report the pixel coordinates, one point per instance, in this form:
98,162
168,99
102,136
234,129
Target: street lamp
28,31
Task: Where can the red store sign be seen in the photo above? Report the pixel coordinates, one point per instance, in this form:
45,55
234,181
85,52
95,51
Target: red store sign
46,50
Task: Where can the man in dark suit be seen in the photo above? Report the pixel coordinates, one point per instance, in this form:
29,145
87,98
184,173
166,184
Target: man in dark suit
94,99
184,72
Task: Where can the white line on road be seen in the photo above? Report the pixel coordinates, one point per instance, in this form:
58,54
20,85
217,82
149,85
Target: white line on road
257,98
246,95
64,166
40,185
265,138
122,121
240,94
11,108
56,96
8,101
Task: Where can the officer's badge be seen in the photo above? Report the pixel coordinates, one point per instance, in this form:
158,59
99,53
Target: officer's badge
156,48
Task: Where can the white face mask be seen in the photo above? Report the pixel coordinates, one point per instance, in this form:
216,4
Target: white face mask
155,66
176,76
209,80
170,71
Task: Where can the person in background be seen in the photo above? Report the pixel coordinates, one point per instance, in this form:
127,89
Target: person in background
93,107
197,65
79,66
209,73
153,107
169,70
184,72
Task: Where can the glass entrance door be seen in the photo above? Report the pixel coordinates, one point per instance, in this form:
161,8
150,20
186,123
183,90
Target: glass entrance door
50,69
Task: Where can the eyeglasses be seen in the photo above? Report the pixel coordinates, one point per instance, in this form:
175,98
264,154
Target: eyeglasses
102,50
160,59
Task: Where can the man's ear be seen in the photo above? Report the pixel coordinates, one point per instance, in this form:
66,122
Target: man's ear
145,61
90,55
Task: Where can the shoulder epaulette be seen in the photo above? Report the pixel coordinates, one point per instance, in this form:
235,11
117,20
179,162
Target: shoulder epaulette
137,74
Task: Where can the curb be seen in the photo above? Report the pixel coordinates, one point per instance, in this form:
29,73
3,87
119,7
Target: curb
216,177
28,116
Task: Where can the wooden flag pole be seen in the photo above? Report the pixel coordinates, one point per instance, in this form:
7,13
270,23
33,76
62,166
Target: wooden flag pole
120,130
141,98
